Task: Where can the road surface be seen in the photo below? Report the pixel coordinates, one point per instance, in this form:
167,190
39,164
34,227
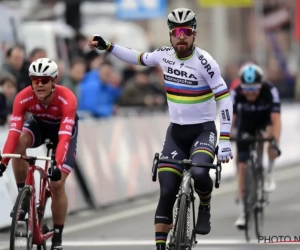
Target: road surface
130,226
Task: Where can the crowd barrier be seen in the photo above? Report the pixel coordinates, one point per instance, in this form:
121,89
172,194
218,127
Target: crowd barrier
115,155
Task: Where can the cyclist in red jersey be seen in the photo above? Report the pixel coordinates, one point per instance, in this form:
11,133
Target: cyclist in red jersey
54,117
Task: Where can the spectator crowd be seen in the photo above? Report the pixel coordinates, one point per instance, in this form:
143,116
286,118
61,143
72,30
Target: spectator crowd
101,90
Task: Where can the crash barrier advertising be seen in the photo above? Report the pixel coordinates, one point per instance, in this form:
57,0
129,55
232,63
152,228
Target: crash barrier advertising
115,158
117,154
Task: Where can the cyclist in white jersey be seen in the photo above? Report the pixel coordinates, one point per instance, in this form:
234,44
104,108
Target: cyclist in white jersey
193,85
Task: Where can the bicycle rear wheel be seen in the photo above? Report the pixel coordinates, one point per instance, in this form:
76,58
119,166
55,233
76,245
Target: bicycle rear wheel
22,221
259,208
250,197
182,239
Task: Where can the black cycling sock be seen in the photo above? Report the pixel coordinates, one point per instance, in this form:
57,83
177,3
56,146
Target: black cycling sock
205,203
57,236
161,239
20,186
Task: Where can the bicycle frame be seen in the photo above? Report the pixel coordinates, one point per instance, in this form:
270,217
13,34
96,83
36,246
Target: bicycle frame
186,189
38,238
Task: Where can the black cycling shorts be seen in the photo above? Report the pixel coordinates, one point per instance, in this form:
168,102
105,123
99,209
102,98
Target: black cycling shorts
184,140
243,147
42,130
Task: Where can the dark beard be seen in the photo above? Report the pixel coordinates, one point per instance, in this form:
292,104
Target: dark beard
184,52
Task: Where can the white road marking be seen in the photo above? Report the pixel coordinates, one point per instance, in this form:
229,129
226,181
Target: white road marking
211,242
280,175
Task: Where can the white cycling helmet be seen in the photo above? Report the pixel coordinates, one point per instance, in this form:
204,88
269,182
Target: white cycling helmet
43,67
182,17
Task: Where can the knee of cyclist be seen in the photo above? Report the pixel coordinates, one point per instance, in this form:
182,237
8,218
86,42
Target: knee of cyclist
23,144
204,188
57,187
168,194
21,147
242,167
201,177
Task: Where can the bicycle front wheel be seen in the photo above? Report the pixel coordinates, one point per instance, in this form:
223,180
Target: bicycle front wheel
259,208
182,239
250,197
21,231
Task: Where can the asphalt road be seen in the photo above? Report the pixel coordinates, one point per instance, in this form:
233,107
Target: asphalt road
130,226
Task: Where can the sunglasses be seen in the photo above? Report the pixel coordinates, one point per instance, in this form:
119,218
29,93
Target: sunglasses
176,32
253,87
41,79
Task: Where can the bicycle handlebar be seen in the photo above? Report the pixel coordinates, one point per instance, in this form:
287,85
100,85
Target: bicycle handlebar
251,139
24,157
31,160
187,164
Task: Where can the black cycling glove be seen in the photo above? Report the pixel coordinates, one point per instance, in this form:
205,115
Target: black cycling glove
102,44
55,175
2,168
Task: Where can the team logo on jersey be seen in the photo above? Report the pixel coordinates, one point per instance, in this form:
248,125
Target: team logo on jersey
16,118
168,61
206,65
180,73
164,49
26,99
215,88
212,138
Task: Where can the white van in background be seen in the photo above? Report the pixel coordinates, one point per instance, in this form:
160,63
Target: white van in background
50,35
10,21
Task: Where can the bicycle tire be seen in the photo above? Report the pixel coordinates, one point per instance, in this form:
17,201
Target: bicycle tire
259,208
181,237
172,234
24,195
249,197
42,247
42,213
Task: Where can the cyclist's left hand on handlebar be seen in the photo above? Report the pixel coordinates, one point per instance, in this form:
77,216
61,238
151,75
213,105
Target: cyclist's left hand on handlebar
2,168
276,152
56,175
224,151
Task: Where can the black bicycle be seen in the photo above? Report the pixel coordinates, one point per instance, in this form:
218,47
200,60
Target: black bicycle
180,237
255,198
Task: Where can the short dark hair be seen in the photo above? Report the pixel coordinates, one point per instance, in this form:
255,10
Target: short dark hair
80,36
35,51
8,78
11,49
106,63
77,60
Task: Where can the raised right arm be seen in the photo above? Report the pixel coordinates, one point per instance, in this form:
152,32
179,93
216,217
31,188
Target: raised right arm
125,54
